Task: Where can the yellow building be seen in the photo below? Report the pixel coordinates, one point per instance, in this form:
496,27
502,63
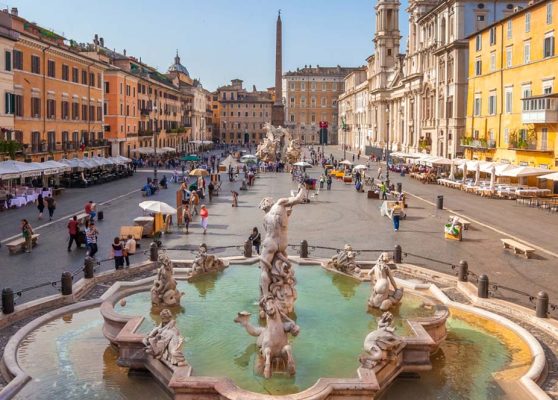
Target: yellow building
512,105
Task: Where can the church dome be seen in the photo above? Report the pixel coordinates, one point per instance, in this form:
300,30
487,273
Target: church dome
177,67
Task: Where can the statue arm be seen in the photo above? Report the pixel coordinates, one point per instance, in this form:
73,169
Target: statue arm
291,201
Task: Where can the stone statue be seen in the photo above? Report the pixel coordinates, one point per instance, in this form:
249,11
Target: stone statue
267,150
383,296
204,263
277,275
379,344
293,151
344,261
273,340
164,291
165,342
279,145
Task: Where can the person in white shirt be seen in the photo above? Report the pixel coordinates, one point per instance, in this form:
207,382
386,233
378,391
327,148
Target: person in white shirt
129,249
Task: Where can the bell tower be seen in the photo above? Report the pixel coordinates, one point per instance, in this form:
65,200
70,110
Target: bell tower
387,37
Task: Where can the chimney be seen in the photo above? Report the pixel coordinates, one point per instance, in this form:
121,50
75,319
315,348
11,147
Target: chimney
253,88
96,39
102,42
124,51
14,11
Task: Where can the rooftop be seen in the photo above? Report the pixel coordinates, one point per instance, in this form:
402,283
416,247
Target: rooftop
321,71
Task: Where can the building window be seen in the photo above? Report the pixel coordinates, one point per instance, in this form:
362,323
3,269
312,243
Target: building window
478,67
526,89
8,61
477,106
75,75
509,29
35,65
18,105
478,43
18,59
313,86
508,100
65,110
292,86
548,46
9,103
324,86
493,61
107,87
51,69
509,54
35,107
75,111
492,104
528,22
526,52
506,135
492,36
65,72
91,79
324,102
292,118
51,109
544,138
549,13
84,112
313,101
84,77
302,85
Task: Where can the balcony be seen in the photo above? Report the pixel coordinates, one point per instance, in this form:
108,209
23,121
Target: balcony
540,109
147,132
145,111
522,145
481,144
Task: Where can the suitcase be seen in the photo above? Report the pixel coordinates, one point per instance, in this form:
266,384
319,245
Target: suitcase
100,215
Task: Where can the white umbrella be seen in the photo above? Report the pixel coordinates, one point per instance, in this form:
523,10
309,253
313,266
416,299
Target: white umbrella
346,162
361,167
303,164
477,174
550,177
492,176
519,172
157,207
451,176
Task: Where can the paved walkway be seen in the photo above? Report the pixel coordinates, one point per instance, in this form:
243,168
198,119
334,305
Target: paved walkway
332,219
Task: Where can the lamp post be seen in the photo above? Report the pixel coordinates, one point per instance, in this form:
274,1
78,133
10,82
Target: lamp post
387,146
155,152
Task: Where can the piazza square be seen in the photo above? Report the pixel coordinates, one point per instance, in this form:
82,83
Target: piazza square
361,210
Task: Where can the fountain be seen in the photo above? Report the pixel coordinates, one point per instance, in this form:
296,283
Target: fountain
279,145
350,338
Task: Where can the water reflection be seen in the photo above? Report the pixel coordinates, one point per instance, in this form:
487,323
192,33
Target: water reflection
347,286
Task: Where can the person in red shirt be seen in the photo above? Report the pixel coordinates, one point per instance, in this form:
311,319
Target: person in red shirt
90,210
73,227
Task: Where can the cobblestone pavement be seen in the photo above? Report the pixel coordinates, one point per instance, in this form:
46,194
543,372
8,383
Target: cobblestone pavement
331,219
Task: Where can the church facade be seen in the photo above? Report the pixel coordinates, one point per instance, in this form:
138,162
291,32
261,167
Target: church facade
415,102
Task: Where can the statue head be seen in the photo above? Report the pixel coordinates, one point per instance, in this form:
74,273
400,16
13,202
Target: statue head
203,248
386,320
166,316
266,204
348,248
268,305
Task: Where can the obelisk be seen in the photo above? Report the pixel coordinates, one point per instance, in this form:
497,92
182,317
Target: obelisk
278,110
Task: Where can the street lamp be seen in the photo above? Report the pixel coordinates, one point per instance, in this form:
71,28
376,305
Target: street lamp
155,152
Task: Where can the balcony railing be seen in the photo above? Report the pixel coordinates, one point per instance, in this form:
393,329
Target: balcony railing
540,109
478,143
526,146
142,132
145,111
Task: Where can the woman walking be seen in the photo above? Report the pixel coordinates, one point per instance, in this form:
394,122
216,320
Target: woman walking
40,205
204,214
256,239
51,205
118,253
27,233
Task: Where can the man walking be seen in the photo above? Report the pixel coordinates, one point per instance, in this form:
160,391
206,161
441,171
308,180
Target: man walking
194,201
129,249
73,226
51,205
396,216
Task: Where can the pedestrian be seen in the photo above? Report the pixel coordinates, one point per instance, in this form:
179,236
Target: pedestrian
204,214
129,249
329,180
118,253
322,181
210,189
73,227
51,205
234,198
91,234
27,233
194,201
353,158
396,216
186,216
357,176
383,190
380,172
256,239
40,205
90,210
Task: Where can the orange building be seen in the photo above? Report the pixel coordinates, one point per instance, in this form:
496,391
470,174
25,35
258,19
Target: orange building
58,96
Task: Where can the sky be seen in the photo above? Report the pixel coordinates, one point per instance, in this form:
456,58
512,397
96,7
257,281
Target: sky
219,40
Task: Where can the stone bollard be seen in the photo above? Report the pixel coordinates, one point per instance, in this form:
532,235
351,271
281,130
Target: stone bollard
463,272
440,202
397,254
248,249
542,304
399,187
8,303
153,252
66,283
483,287
89,267
304,249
